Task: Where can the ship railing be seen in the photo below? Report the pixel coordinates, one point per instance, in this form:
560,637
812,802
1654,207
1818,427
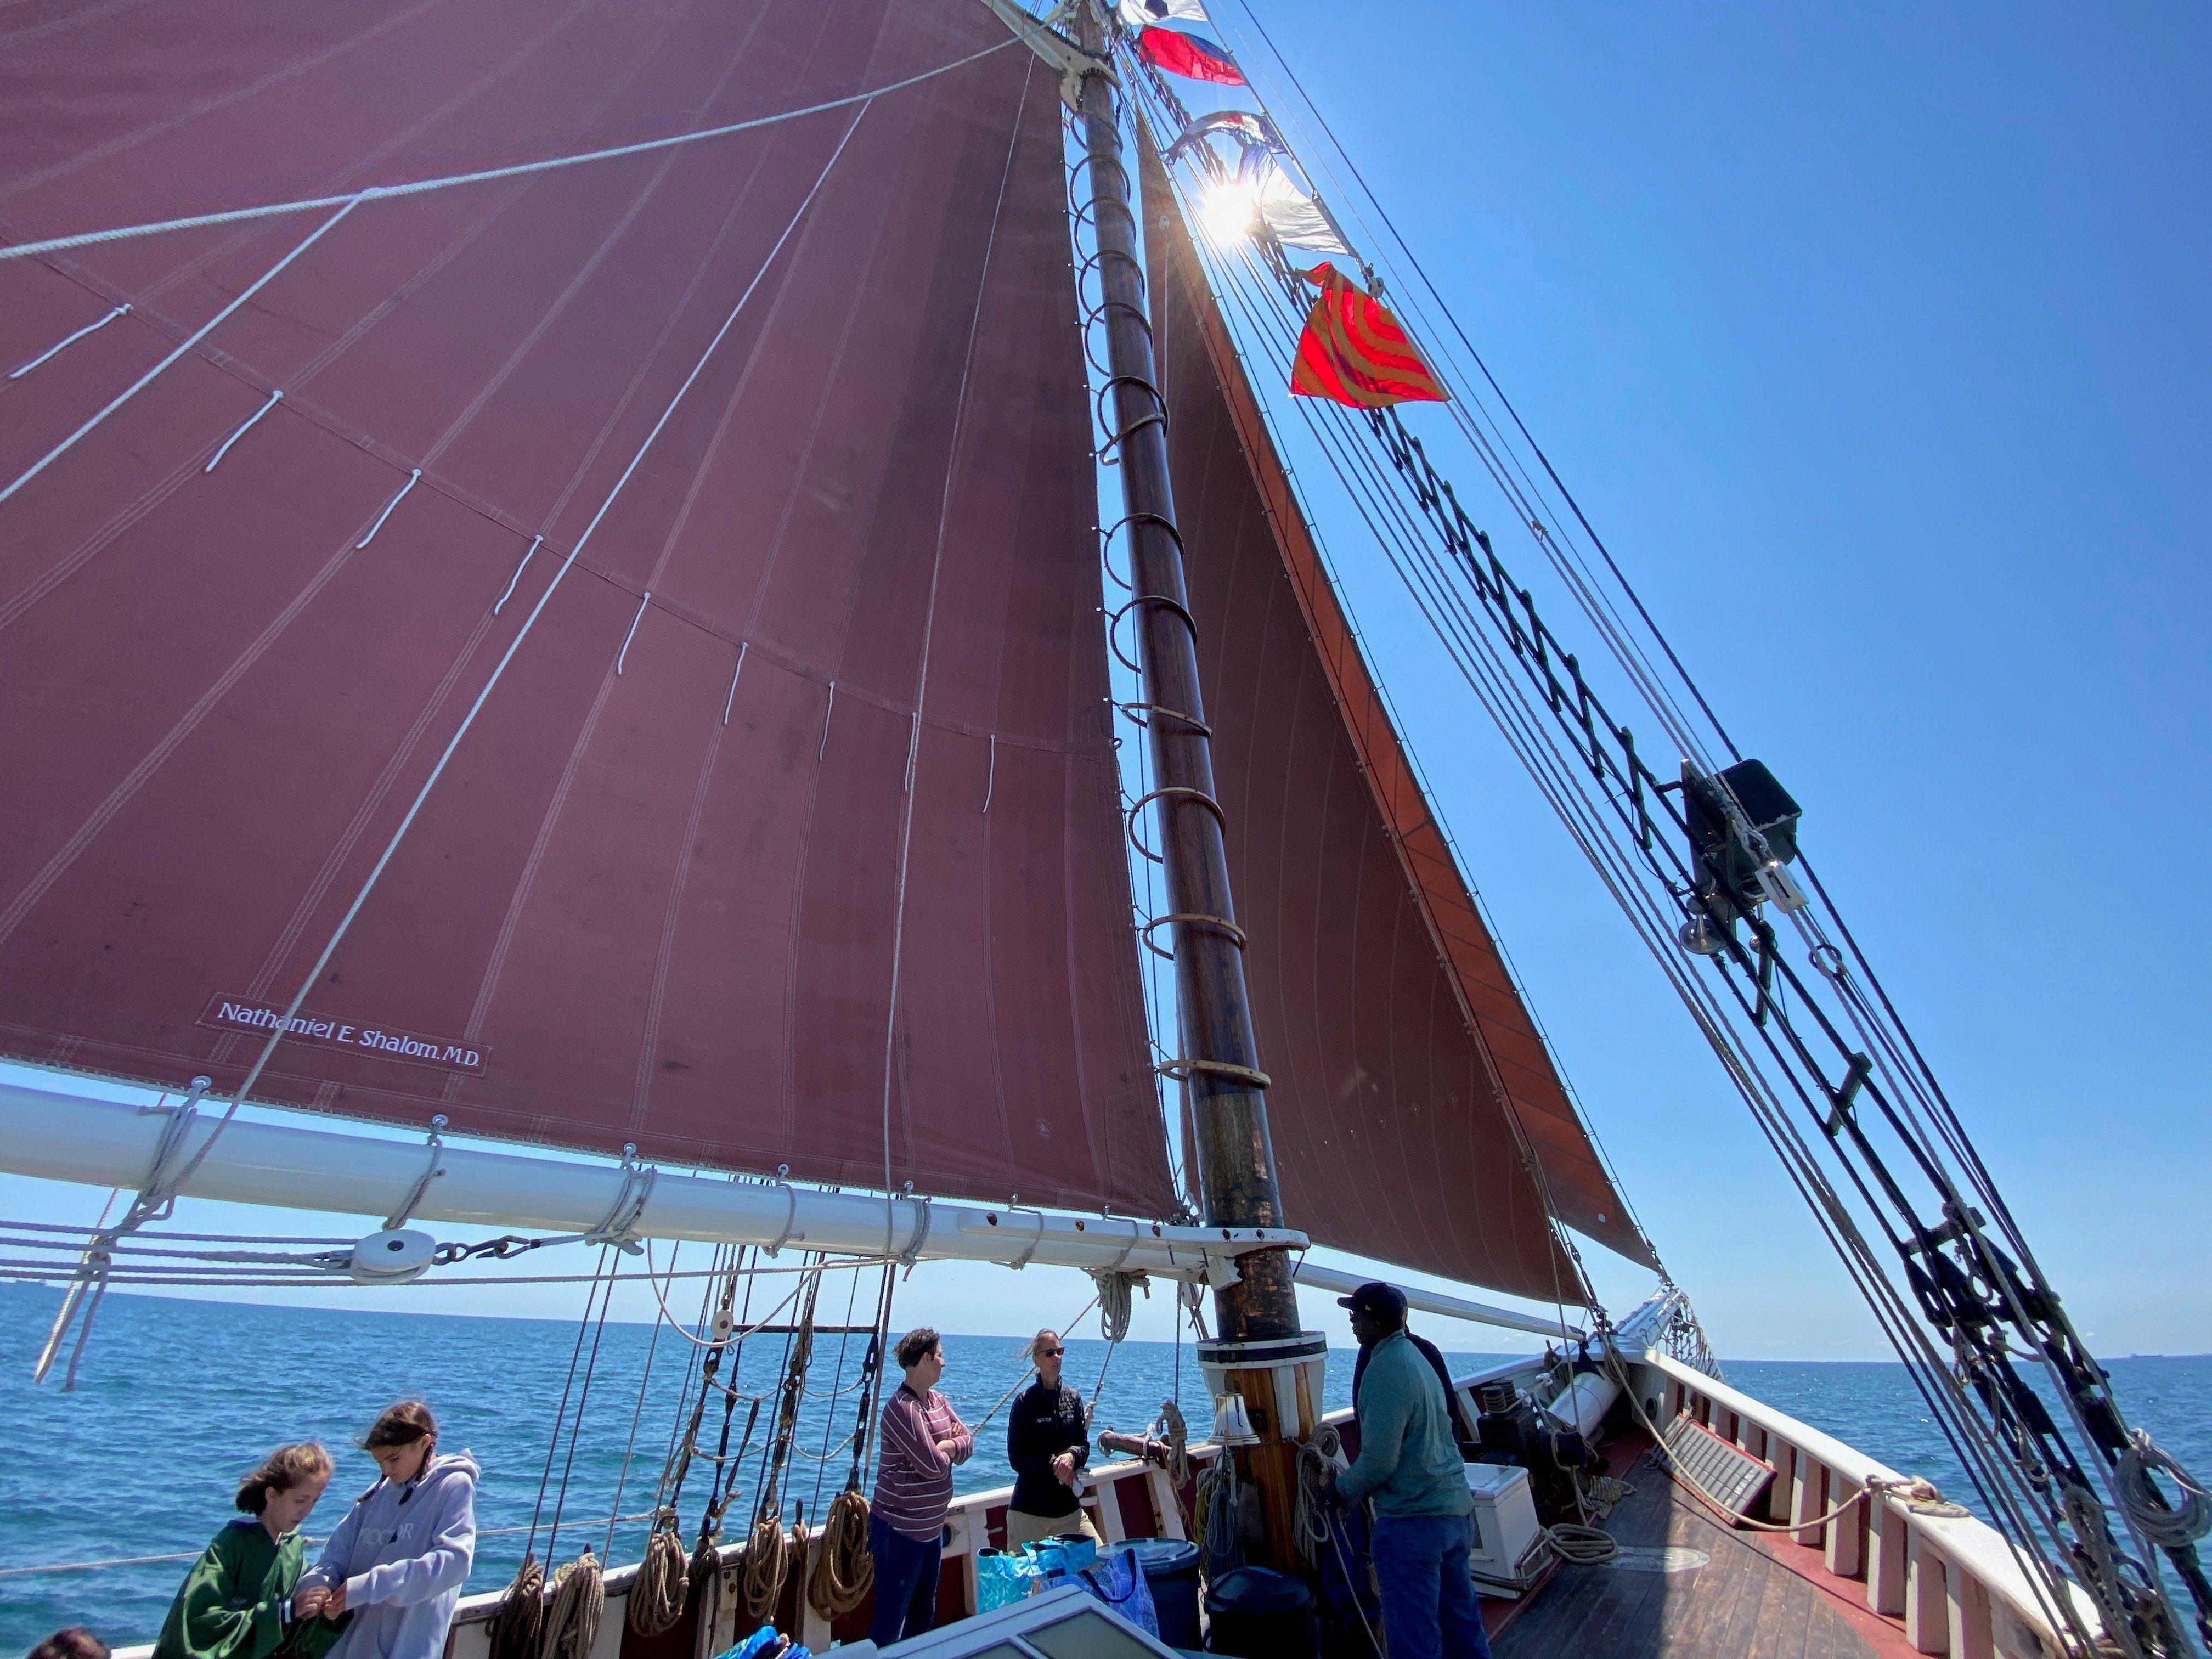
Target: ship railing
1952,1579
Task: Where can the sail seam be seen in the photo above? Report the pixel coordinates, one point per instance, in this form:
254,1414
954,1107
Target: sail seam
928,631
520,169
523,633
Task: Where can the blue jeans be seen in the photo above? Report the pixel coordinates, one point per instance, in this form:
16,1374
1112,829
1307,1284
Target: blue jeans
906,1582
1429,1605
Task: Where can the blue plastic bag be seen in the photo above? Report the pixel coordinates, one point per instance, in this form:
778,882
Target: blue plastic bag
1003,1577
1065,1552
1117,1580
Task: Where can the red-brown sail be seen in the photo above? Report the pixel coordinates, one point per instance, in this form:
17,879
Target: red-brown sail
1412,1092
786,830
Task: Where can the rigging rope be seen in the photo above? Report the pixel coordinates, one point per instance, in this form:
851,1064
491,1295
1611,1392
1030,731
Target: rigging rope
1612,804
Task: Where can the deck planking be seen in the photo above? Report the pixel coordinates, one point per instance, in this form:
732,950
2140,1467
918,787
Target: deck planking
1760,1597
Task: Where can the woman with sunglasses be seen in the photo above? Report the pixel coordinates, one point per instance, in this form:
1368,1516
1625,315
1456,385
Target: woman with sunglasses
1048,1442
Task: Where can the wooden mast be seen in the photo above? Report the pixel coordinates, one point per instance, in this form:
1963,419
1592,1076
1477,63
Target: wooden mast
1261,1346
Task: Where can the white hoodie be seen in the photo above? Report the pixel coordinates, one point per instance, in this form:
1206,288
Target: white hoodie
403,1553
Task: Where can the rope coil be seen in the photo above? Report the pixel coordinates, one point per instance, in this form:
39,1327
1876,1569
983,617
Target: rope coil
519,1626
656,1596
572,1623
844,1569
2146,1507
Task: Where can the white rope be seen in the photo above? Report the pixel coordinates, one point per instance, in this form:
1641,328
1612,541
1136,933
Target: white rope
734,673
151,1203
1114,1301
65,342
421,186
413,479
622,656
252,420
191,340
1582,1547
517,576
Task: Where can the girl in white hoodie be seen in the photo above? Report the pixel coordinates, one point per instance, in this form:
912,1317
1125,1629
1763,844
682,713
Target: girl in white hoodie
397,1560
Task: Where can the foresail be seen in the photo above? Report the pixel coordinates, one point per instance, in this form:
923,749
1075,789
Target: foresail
641,682
1412,1091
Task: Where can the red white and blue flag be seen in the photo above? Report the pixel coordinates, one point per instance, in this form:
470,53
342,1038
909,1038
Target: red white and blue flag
1191,55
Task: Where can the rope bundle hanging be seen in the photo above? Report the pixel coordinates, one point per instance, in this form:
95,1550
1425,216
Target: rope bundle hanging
1319,1459
519,1624
656,1597
707,1587
580,1596
844,1569
769,1552
2146,1507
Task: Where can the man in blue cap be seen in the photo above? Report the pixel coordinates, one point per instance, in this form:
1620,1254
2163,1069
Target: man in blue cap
1409,1464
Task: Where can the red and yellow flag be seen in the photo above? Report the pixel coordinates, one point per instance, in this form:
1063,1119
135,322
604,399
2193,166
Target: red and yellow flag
1353,352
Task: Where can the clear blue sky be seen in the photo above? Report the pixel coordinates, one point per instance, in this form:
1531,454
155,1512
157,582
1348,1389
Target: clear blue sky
1874,340
1881,333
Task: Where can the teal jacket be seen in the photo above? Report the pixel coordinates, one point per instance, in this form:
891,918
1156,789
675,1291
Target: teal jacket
1408,1463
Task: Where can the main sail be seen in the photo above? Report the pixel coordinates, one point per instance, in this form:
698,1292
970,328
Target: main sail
1416,1114
642,681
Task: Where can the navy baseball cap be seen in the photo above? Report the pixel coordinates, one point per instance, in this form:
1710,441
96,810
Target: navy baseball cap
1374,1297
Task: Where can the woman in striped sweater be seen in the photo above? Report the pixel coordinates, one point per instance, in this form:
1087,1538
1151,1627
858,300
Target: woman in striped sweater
923,1438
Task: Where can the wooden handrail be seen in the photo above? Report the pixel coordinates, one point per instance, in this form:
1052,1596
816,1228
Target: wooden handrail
1958,1583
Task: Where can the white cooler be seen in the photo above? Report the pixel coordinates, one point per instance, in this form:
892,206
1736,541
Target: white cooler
1510,1548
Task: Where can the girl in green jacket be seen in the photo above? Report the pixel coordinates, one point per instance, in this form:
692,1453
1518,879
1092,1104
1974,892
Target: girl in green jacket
235,1602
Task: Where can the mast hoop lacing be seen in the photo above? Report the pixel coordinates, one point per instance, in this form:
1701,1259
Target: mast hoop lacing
1182,1070
1180,790
1132,712
1106,555
1220,924
1113,621
1157,415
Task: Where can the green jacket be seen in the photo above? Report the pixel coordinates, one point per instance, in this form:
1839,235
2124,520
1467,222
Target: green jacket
1409,1462
233,1602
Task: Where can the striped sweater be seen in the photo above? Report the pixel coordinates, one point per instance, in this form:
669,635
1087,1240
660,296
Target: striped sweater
914,1480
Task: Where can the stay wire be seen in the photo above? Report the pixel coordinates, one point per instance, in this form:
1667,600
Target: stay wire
1967,1459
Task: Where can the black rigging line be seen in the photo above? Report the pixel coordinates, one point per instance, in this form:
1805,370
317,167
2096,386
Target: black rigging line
1413,261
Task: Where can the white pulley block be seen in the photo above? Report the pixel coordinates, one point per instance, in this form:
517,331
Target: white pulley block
392,1256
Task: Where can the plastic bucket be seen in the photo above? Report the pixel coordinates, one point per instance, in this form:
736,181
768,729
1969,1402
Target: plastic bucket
1259,1614
1171,1568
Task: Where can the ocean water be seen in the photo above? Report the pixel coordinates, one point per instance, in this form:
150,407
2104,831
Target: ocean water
177,1399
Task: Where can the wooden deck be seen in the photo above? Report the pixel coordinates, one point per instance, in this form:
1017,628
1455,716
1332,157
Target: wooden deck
1759,1596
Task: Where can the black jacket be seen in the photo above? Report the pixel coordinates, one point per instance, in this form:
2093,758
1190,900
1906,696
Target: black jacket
1045,1423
